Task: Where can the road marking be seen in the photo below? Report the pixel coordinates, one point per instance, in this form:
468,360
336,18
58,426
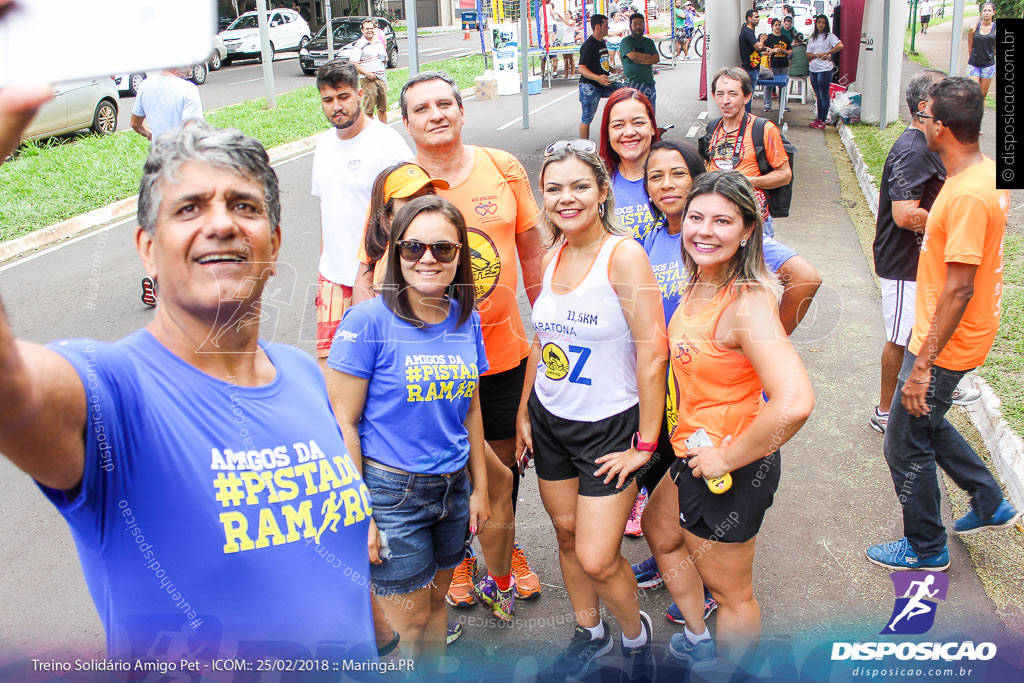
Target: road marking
61,245
251,80
693,131
534,111
442,52
703,115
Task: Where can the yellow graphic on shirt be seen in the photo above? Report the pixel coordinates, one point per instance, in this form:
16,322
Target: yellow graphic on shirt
436,377
672,402
485,263
555,360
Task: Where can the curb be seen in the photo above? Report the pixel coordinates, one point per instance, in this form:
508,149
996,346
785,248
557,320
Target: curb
1005,447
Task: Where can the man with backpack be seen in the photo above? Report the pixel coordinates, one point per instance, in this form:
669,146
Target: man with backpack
749,144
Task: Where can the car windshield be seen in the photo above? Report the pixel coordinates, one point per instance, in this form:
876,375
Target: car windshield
346,30
245,21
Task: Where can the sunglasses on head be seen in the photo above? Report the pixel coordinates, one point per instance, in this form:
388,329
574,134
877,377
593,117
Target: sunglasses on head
413,250
585,146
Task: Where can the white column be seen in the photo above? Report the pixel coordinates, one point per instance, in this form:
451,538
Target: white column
722,22
869,66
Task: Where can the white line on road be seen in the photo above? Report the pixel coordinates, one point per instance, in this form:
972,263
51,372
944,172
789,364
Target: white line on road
693,131
61,245
703,115
251,80
534,111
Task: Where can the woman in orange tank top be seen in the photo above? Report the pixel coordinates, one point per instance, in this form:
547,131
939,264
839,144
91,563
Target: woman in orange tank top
726,344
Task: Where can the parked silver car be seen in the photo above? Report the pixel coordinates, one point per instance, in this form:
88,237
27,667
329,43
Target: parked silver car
81,104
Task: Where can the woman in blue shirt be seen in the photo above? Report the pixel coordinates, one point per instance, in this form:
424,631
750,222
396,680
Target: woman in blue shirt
404,373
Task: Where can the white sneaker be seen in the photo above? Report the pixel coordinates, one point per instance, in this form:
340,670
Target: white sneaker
963,395
879,420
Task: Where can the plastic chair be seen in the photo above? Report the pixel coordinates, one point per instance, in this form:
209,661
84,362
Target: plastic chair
799,74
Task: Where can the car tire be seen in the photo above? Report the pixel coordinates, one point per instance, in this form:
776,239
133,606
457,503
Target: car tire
393,58
215,61
309,72
303,42
198,74
259,57
225,62
104,119
134,81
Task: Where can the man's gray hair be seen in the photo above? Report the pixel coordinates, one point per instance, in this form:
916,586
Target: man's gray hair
919,86
222,148
423,77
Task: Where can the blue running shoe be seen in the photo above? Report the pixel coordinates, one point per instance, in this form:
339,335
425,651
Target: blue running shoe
643,667
647,574
454,632
1004,517
676,617
580,655
701,656
900,556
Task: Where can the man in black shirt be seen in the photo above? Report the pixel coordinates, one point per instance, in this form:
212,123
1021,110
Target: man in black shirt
911,179
750,49
594,71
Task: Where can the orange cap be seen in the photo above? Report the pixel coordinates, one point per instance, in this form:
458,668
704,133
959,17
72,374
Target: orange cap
409,179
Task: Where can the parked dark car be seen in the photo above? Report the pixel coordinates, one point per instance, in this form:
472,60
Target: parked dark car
346,31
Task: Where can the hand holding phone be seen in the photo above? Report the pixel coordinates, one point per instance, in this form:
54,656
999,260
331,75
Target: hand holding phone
701,439
525,461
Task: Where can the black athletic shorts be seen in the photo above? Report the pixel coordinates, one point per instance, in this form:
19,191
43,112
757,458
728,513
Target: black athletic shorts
500,394
567,449
736,515
650,474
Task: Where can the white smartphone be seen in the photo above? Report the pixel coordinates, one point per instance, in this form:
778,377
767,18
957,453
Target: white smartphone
698,439
54,41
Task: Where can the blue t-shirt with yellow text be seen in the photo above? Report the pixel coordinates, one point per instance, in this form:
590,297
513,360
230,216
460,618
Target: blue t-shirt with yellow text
217,520
422,381
632,206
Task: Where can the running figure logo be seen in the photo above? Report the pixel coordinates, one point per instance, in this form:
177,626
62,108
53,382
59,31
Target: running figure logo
914,611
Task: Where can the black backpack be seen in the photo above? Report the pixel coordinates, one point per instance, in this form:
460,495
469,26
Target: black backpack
779,198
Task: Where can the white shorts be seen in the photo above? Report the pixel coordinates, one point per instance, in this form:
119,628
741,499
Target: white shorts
898,309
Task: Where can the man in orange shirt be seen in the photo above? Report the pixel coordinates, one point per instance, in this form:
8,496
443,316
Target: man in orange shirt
492,190
959,288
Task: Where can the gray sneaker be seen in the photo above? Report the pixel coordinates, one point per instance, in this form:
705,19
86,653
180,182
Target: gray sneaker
701,656
963,396
576,659
879,420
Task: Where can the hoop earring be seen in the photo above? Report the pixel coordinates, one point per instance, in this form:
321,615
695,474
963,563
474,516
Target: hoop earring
600,210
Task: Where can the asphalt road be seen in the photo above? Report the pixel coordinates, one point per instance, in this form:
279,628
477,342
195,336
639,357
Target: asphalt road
241,81
811,579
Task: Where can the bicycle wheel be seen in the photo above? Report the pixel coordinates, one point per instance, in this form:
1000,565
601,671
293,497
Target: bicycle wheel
698,45
667,48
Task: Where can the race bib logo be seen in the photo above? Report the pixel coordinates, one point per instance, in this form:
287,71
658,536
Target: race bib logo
484,261
914,612
555,360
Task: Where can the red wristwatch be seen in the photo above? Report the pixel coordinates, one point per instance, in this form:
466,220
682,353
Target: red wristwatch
641,445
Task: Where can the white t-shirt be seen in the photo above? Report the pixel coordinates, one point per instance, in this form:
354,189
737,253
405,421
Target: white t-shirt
819,45
926,8
370,55
166,102
343,175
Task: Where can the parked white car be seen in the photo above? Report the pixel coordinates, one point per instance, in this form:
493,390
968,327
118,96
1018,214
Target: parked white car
803,18
288,32
129,83
81,104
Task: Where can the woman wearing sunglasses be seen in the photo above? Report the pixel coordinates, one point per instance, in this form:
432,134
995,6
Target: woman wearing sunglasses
404,369
593,399
628,129
394,187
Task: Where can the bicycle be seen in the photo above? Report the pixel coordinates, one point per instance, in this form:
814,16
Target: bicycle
667,46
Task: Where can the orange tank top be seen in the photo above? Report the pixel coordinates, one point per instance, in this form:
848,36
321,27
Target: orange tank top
714,387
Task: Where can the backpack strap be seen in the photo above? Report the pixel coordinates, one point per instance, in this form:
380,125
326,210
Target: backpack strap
757,137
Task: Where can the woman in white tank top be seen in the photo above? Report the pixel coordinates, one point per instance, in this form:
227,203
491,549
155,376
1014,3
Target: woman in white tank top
593,399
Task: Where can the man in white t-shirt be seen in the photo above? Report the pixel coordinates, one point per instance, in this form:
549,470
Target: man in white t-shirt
347,160
370,57
165,102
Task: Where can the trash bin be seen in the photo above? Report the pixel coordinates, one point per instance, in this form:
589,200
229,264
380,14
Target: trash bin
469,21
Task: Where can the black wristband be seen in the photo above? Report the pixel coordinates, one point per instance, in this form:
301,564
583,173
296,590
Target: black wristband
390,647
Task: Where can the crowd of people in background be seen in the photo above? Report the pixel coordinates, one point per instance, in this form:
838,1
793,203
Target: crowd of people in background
653,394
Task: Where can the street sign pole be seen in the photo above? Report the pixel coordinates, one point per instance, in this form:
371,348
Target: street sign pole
330,30
267,57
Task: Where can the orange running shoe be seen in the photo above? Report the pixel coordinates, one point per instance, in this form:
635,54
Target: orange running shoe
461,593
527,582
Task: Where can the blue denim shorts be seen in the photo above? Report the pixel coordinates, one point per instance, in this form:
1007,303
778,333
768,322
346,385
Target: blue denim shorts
590,98
422,521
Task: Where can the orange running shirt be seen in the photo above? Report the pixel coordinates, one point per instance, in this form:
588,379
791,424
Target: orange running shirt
713,387
497,202
723,147
966,225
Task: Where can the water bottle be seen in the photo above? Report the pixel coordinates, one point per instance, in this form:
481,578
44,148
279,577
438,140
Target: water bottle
785,129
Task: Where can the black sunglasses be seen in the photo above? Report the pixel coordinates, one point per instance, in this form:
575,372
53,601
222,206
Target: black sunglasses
926,116
413,250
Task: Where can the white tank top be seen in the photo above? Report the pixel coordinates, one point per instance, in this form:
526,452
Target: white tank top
587,370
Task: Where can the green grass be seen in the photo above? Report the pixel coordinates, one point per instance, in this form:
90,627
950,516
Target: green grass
52,181
874,144
1005,365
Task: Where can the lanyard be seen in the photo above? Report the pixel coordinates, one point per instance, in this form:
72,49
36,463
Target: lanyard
737,148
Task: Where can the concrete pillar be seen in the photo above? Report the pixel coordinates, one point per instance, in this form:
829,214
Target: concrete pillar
869,66
722,22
